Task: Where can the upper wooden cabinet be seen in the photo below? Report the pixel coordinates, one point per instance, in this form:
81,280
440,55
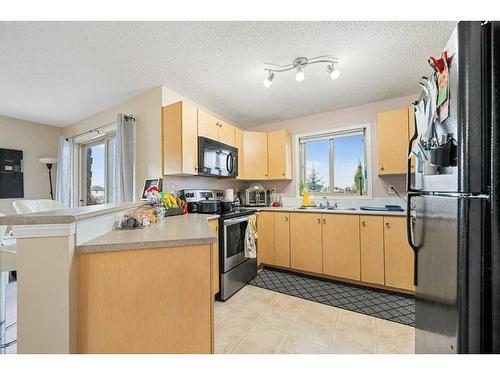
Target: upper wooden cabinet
393,132
227,134
372,249
306,251
238,134
211,127
279,154
398,254
265,240
341,250
255,155
180,139
282,239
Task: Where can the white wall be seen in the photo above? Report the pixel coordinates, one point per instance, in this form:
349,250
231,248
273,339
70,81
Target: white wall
146,108
36,141
358,115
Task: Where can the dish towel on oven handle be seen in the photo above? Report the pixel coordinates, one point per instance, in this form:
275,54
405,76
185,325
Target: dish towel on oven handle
250,235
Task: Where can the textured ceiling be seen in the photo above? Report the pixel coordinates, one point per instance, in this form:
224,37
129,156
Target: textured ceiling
60,72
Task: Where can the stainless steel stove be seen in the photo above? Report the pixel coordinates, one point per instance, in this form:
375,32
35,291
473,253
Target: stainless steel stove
236,270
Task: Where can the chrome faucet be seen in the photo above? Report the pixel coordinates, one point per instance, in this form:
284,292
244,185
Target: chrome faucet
327,202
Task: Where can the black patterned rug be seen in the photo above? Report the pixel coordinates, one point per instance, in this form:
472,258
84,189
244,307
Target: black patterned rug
393,306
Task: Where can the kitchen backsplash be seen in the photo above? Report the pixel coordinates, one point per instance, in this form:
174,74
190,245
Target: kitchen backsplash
175,183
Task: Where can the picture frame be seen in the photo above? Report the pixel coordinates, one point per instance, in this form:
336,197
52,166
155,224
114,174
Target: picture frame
148,182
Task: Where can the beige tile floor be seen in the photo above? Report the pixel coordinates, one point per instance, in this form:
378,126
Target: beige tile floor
261,321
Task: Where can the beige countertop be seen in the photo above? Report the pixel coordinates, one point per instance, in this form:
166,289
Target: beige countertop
356,211
182,230
68,215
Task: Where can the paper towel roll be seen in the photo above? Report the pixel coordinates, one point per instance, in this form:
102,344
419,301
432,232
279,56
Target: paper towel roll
229,195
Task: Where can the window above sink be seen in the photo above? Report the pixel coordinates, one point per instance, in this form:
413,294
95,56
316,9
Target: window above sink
335,163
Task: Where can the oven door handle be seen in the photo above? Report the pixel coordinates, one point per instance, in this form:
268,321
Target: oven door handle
235,221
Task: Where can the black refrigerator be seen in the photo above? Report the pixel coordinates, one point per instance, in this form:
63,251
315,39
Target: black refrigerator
453,215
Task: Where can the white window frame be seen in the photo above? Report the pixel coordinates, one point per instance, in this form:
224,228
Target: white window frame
329,132
82,171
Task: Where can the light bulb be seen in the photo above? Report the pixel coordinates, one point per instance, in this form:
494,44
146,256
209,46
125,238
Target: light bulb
299,76
267,82
334,73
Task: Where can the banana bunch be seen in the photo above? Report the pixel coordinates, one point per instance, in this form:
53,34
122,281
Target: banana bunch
169,201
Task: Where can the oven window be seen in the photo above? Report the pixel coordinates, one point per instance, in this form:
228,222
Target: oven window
236,238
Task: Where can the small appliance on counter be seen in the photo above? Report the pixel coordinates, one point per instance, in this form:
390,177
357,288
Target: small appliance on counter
257,195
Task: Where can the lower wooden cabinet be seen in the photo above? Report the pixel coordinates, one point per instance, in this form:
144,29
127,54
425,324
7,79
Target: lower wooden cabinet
265,239
341,250
368,248
372,249
282,239
214,224
306,251
398,254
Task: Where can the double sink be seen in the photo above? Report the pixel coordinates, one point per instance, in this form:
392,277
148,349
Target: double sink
328,208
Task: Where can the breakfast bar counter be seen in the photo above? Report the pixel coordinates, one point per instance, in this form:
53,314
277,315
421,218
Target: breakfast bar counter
85,287
183,230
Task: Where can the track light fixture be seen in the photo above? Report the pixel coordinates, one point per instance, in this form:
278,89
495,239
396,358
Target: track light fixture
268,80
334,73
299,64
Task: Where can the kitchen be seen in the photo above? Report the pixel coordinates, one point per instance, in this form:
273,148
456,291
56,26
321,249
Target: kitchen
296,229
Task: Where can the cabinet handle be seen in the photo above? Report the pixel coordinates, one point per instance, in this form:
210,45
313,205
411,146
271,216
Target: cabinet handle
283,173
319,220
324,221
363,223
286,218
387,225
265,175
381,168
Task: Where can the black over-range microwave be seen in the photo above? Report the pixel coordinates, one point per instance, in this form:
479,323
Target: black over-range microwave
217,159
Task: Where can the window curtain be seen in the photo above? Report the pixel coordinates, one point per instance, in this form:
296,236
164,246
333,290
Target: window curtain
124,173
64,178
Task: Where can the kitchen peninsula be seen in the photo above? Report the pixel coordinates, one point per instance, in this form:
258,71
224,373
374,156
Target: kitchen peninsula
86,288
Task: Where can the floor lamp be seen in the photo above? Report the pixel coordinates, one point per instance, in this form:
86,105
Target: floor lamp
49,162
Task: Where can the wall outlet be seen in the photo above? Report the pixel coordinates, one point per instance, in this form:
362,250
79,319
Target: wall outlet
390,190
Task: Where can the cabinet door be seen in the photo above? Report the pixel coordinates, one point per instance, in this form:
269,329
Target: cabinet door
305,242
392,131
208,125
255,155
238,133
180,139
227,134
265,239
189,139
214,224
279,151
341,249
282,239
398,254
372,249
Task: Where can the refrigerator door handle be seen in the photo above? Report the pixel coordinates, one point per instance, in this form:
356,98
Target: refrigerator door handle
413,138
409,233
